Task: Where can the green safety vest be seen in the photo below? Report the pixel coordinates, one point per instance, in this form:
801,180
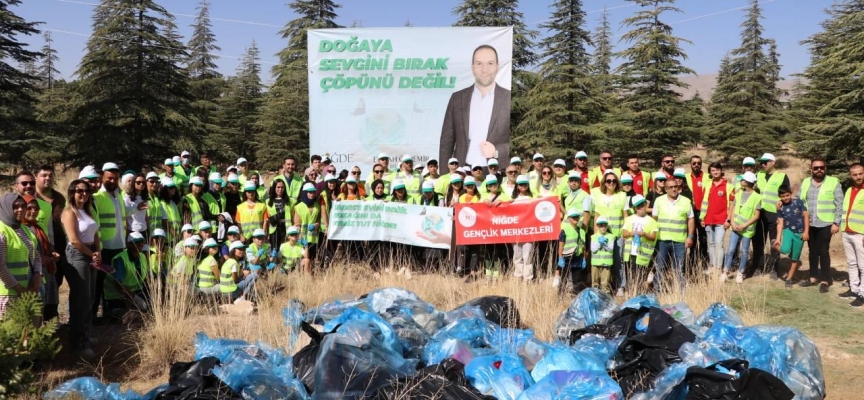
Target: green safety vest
614,211
571,200
707,194
744,211
44,218
824,200
251,218
154,214
107,218
602,257
646,247
184,267
291,255
672,219
287,215
308,217
178,181
132,280
855,220
206,278
174,219
412,187
253,249
292,186
17,259
215,204
574,239
770,190
226,281
195,210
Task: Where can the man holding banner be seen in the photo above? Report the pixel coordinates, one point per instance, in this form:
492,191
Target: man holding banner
477,122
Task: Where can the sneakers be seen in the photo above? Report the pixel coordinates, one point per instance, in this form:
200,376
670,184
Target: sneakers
847,294
823,288
556,281
806,283
789,284
620,292
739,278
857,303
773,276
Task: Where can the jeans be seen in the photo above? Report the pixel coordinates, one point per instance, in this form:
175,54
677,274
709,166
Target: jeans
81,278
715,234
853,246
670,254
820,260
734,240
245,286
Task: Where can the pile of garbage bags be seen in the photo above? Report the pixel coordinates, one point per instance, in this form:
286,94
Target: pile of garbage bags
392,344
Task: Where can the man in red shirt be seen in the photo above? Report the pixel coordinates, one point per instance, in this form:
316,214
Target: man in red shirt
716,214
580,165
852,226
698,180
641,180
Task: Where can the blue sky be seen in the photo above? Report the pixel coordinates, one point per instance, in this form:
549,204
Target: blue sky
712,25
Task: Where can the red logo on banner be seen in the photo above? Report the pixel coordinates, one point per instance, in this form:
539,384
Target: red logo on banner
529,221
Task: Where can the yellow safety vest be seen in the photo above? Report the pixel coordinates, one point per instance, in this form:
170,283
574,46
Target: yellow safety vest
206,279
824,200
226,280
287,215
251,218
707,195
108,220
184,267
309,217
195,210
18,258
855,219
602,257
646,247
744,211
133,278
613,211
574,239
770,189
596,175
291,255
672,219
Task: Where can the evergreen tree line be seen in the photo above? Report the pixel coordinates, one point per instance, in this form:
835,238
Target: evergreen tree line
141,93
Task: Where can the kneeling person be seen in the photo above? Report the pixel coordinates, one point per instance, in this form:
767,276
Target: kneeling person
230,282
208,268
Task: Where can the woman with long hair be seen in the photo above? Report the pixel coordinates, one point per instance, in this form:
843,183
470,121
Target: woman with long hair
378,250
83,254
351,190
745,212
279,209
134,194
252,213
310,219
170,197
400,193
610,202
657,190
454,191
523,267
546,184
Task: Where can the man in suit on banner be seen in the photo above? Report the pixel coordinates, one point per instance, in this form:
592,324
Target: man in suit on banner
477,122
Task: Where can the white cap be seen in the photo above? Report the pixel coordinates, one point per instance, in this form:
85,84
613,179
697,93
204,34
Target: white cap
601,220
210,242
233,178
581,154
574,213
560,162
88,172
167,182
215,177
469,180
190,242
184,153
204,225
522,179
660,176
537,156
679,173
196,238
748,161
492,161
765,157
258,233
110,166
308,187
749,177
425,171
231,168
398,184
330,177
175,160
407,158
249,186
151,175
350,179
127,177
609,171
241,160
236,245
135,237
455,178
453,160
428,186
292,230
626,177
515,160
195,180
233,229
574,174
187,227
169,161
158,232
490,179
637,200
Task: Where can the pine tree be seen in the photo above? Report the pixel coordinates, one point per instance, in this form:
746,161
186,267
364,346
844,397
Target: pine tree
602,59
284,122
23,344
833,101
47,70
745,116
241,107
206,83
202,61
18,89
567,101
501,13
133,97
652,119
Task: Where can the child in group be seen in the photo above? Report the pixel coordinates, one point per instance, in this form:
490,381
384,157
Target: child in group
157,260
793,227
188,231
258,254
234,279
183,271
602,245
233,235
640,234
292,253
208,268
571,243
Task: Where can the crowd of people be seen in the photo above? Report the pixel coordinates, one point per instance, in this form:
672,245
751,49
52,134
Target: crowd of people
218,232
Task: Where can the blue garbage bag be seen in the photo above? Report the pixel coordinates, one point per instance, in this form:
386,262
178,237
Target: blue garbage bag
380,300
667,385
467,311
642,300
440,350
509,340
598,350
702,353
412,337
794,359
328,311
92,389
219,347
591,306
719,312
356,360
476,331
388,335
582,385
293,314
681,312
501,375
257,379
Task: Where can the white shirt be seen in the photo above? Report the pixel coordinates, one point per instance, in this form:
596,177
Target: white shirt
137,219
638,226
87,227
479,118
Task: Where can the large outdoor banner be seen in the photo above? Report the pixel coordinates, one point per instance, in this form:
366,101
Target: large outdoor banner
410,91
529,221
424,226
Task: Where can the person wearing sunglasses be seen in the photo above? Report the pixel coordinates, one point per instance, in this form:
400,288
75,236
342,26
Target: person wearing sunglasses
134,195
823,196
409,177
698,181
508,184
378,173
768,183
546,184
667,165
715,214
559,167
606,164
610,202
657,189
674,215
580,165
25,185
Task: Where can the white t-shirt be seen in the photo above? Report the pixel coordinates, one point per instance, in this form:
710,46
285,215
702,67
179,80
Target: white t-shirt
137,220
638,225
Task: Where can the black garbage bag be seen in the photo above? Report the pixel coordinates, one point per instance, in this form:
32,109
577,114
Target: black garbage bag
445,381
623,323
195,381
498,309
304,360
733,380
649,351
